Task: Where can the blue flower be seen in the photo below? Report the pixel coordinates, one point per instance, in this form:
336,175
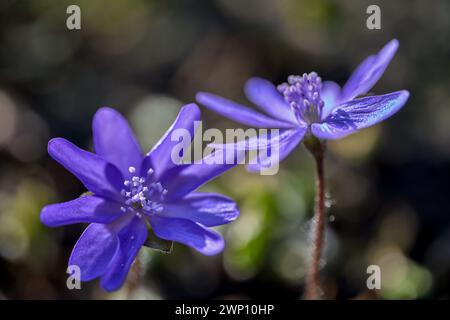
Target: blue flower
305,106
132,192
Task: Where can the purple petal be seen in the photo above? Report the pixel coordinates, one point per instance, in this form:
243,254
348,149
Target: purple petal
97,175
238,112
329,94
185,178
358,114
86,209
262,141
263,93
368,72
192,234
279,151
159,158
131,239
114,141
208,209
94,250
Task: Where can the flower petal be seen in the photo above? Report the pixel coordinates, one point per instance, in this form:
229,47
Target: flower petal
94,250
368,72
131,239
278,151
265,95
185,178
276,147
97,175
329,94
261,141
238,112
208,209
205,241
159,158
358,114
86,209
114,140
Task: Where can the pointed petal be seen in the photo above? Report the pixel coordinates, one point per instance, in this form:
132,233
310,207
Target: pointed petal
185,178
368,72
159,158
114,141
272,148
238,112
97,175
86,209
192,234
94,251
278,151
358,114
208,209
265,95
131,239
329,94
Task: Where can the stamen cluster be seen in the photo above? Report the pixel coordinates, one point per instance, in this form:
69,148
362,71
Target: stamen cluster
302,93
142,196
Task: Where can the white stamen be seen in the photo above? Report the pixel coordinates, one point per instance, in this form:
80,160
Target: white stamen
142,197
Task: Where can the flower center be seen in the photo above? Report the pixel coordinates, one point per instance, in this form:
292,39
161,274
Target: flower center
142,196
302,93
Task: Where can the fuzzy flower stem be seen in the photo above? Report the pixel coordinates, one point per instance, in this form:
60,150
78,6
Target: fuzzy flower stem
312,289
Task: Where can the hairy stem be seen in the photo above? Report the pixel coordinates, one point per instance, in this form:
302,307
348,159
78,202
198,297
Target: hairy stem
312,289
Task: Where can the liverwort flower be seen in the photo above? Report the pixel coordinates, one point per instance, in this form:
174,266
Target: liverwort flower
132,193
306,107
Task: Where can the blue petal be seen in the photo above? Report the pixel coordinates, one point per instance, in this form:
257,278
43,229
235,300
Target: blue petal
131,239
208,209
358,114
94,251
85,209
185,178
330,95
239,113
97,175
271,149
368,72
192,234
114,141
159,158
263,94
278,151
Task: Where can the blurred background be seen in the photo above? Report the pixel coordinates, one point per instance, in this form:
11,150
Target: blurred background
389,186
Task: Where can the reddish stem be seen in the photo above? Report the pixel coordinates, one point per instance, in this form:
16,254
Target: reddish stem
312,289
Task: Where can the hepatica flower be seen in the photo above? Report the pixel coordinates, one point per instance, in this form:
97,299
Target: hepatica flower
307,109
133,192
305,106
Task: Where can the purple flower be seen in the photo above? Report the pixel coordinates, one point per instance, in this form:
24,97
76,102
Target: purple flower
132,192
307,106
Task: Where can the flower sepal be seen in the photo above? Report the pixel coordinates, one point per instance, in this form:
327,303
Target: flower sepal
314,145
86,194
153,242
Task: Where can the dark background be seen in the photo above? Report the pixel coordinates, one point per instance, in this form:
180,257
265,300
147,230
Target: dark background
389,186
